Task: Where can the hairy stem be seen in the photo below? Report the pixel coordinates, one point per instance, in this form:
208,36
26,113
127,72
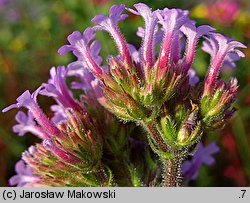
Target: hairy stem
155,135
102,176
173,172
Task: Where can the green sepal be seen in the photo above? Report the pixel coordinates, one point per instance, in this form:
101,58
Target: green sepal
168,129
164,155
136,182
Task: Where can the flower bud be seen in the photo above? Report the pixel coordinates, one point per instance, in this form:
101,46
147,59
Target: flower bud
190,131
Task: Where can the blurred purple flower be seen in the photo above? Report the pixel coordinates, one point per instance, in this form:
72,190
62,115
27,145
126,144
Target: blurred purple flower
193,79
24,176
202,155
4,2
13,15
223,11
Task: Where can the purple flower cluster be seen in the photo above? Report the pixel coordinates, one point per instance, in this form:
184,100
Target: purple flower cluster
64,137
156,90
152,77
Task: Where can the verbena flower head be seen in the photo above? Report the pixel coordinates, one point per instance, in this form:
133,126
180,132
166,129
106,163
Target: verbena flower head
157,90
72,141
135,88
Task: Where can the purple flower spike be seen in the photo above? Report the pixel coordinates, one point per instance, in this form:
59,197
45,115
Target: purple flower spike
219,47
150,19
203,155
26,124
28,101
171,20
109,24
80,48
57,88
193,33
24,176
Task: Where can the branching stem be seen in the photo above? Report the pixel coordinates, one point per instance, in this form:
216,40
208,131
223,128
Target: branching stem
172,166
155,135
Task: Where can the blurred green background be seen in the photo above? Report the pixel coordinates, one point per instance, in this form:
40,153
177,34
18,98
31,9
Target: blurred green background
32,31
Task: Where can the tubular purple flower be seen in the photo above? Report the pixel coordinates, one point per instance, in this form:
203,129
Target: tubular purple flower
24,176
28,101
64,155
57,88
80,48
229,60
221,47
157,37
150,19
84,76
135,55
59,113
193,33
87,83
109,24
94,49
95,84
176,48
26,124
171,20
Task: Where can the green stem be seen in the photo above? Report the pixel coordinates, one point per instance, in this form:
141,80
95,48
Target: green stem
171,163
102,176
173,172
155,135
